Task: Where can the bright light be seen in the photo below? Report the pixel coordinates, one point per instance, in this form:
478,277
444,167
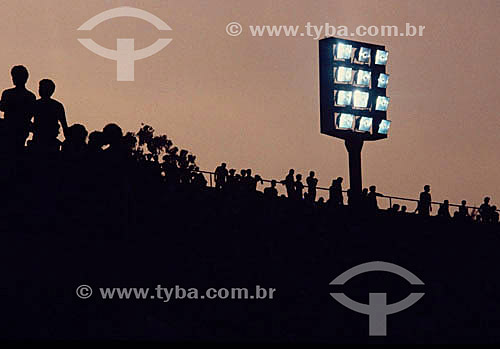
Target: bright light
364,55
383,80
365,124
381,57
363,78
383,128
382,103
343,51
344,97
345,121
360,99
344,74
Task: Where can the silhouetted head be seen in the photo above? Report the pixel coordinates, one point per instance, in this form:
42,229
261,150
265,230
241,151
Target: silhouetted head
273,183
232,171
46,88
19,75
249,172
340,179
446,202
321,200
311,174
395,207
403,208
77,134
96,139
464,202
129,140
427,188
487,200
334,181
291,172
373,189
364,191
493,208
299,177
223,165
243,172
112,134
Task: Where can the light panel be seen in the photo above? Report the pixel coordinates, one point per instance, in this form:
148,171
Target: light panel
364,55
365,124
360,99
345,121
343,51
344,98
384,126
363,78
382,103
383,80
381,57
344,74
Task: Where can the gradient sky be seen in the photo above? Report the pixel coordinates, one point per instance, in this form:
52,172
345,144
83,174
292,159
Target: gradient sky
253,102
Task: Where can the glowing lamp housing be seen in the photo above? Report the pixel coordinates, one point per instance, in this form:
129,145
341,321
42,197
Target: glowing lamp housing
353,86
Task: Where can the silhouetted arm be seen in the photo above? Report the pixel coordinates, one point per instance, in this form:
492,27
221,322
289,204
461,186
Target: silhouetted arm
2,102
62,120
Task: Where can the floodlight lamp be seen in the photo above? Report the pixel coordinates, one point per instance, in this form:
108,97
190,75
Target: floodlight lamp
384,126
364,55
383,80
363,78
344,74
365,124
360,99
344,98
382,103
343,51
381,57
345,121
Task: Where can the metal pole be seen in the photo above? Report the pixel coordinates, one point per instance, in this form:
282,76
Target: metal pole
354,146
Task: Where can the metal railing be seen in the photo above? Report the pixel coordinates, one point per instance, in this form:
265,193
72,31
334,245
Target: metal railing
390,198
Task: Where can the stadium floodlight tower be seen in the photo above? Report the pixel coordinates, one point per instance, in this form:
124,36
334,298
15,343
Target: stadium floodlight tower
353,101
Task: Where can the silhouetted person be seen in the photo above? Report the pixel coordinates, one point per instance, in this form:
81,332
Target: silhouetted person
444,209
220,176
462,210
394,209
403,209
312,183
299,187
371,198
48,114
289,183
231,181
494,214
271,192
485,210
335,192
424,206
74,146
199,180
17,104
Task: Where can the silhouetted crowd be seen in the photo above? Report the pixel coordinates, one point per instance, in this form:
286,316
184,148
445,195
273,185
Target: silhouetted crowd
112,161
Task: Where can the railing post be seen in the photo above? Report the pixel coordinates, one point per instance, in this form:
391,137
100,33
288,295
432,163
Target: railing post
390,202
211,180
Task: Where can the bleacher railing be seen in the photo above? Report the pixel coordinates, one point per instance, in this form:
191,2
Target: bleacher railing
390,199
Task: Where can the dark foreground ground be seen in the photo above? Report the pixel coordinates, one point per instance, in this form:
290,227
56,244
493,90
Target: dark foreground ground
62,234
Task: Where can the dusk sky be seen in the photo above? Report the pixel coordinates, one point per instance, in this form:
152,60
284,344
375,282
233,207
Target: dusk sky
253,102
